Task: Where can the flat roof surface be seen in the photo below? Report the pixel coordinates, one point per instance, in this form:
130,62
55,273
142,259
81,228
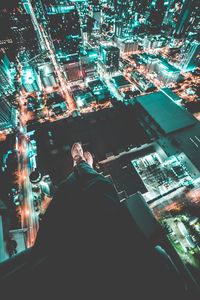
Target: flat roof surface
120,81
168,66
170,94
110,48
189,143
167,114
95,83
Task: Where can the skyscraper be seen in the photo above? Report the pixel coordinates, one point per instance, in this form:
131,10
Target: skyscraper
109,56
47,75
190,55
7,115
127,45
30,79
118,28
188,13
124,14
169,14
6,76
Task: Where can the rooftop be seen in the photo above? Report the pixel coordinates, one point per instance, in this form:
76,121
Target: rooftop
189,143
168,115
169,68
170,94
120,81
96,84
110,48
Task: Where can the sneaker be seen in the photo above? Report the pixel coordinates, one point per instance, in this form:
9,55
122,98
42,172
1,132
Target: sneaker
77,153
88,158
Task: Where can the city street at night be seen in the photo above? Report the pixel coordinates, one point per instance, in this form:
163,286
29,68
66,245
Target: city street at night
100,149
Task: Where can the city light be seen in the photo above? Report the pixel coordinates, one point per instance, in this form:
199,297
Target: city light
123,78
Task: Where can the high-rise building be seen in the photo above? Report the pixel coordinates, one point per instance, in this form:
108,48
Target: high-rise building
30,79
126,17
88,63
152,63
187,17
127,45
95,12
118,28
190,55
108,62
170,14
47,75
6,75
153,41
109,55
7,115
166,72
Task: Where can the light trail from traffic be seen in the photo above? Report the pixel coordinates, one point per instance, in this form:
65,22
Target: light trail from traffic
70,101
46,44
29,218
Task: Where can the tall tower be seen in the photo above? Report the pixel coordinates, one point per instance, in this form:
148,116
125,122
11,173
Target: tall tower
7,115
169,14
6,78
189,8
127,13
109,56
190,54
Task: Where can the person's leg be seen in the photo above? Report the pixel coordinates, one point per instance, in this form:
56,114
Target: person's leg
85,160
88,179
83,172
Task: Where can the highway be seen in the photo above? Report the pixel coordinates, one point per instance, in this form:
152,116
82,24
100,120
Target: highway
29,218
46,43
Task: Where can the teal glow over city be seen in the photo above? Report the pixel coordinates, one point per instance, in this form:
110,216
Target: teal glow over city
120,78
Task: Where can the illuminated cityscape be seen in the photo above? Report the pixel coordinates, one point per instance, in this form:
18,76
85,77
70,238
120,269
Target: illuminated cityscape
122,77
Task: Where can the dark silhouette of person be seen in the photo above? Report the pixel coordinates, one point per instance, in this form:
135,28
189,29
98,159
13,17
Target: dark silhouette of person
88,245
